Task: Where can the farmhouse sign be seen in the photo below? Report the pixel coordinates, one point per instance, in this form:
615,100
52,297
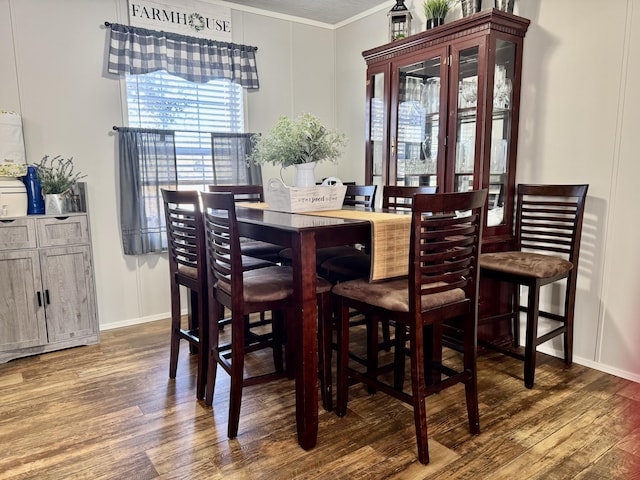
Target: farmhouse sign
193,18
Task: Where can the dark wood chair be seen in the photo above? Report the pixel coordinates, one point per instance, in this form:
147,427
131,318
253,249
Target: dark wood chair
442,285
251,193
548,231
187,267
244,293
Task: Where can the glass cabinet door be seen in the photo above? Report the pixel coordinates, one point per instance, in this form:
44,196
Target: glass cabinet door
503,77
466,120
377,127
418,123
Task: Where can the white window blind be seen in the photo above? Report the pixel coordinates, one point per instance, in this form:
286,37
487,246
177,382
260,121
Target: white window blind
159,100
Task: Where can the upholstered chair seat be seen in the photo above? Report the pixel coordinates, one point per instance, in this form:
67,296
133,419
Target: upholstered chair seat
527,264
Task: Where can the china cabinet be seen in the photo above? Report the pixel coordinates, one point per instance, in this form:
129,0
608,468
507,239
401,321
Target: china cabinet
442,109
47,292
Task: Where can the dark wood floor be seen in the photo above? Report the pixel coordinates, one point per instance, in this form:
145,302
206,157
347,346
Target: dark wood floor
110,411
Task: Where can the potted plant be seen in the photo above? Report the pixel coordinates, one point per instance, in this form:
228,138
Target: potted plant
301,142
435,11
57,177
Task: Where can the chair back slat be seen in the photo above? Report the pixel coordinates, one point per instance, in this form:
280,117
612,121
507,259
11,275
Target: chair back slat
445,247
395,197
241,193
184,229
360,195
549,218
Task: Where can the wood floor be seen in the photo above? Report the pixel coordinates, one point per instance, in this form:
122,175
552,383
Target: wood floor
109,411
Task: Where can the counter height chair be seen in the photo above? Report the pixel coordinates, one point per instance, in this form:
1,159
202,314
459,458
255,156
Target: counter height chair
442,285
187,267
548,230
244,292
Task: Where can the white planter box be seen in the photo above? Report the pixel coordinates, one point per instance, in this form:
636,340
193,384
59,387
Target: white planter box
304,199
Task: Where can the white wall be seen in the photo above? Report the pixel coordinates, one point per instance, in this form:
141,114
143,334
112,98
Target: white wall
579,122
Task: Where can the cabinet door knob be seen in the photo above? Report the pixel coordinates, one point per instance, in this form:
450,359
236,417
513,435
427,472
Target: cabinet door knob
46,296
39,299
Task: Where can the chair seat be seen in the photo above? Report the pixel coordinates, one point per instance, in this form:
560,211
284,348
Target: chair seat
346,267
525,264
260,249
394,295
270,284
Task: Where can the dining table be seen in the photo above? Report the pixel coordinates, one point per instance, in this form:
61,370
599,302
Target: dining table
304,233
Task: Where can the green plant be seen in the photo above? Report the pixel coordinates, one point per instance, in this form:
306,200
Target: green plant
56,174
292,142
436,8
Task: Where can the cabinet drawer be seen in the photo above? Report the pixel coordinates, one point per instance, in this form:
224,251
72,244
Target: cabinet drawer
55,231
17,233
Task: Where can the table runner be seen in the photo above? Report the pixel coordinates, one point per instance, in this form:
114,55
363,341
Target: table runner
390,234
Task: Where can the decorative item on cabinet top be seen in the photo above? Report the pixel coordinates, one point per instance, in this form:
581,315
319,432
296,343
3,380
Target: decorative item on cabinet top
505,5
469,7
399,21
435,11
57,179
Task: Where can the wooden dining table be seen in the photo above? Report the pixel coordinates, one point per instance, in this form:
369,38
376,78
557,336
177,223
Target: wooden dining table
303,233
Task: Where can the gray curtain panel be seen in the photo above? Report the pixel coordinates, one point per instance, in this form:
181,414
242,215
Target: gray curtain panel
229,152
147,164
134,50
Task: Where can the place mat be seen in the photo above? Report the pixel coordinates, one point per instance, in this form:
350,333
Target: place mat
390,234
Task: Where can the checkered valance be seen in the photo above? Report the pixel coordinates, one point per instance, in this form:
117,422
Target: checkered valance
134,50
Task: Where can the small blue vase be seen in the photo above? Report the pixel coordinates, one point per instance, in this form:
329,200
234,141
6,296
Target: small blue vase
35,199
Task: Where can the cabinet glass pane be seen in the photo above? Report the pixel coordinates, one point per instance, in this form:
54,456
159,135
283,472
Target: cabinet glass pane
418,123
500,129
377,126
466,119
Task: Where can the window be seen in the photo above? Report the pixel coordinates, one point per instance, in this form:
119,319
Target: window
159,100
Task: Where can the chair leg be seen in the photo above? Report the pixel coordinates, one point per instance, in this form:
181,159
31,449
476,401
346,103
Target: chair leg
175,331
569,304
434,353
325,333
203,343
278,332
194,318
386,334
515,320
470,358
418,388
212,353
342,382
372,349
237,377
532,335
399,356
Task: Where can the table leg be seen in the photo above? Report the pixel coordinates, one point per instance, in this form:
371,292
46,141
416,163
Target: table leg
304,267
